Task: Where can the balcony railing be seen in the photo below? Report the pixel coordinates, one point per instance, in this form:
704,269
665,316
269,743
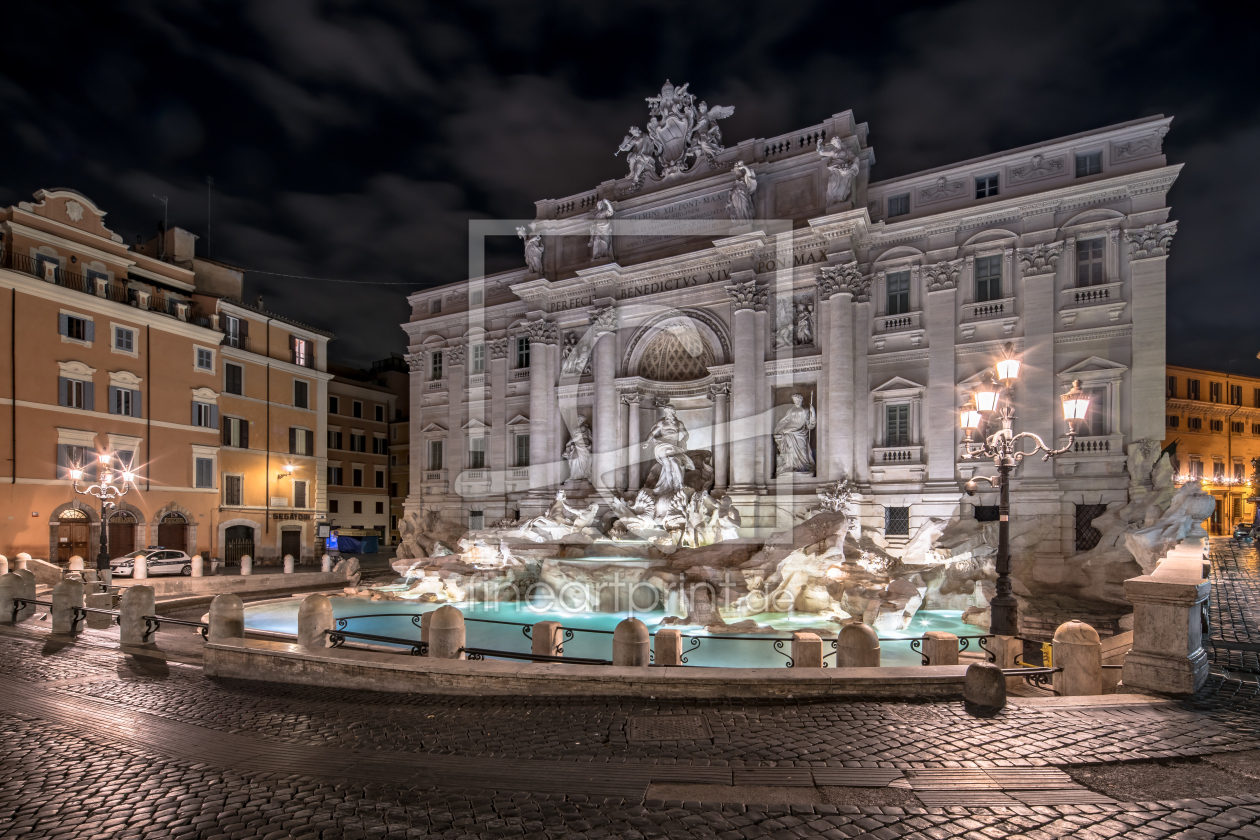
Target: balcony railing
97,286
1091,295
891,456
896,323
1004,308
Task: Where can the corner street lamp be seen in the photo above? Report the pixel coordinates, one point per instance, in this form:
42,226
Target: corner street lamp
991,399
107,489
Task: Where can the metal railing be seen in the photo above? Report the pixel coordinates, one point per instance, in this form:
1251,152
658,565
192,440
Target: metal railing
96,287
152,623
337,638
1035,676
482,653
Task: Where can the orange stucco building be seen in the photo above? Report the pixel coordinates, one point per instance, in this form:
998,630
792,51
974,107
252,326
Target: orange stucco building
137,352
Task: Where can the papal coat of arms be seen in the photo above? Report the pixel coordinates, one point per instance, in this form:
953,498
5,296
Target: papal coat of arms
678,134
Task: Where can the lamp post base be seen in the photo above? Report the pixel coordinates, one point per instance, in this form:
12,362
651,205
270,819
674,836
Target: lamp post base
1004,616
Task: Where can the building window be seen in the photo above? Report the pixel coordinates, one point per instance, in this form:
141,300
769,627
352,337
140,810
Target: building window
435,454
1089,262
435,365
124,340
122,401
356,479
233,379
477,453
233,490
358,443
380,446
334,440
301,351
358,507
1089,163
899,205
1255,397
393,488
1218,470
1192,389
522,354
301,441
204,415
897,430
334,476
896,521
476,297
205,472
1255,428
1172,421
1216,425
380,414
299,494
1236,427
380,507
478,358
435,306
76,328
476,519
1194,424
1239,470
986,185
236,432
356,409
334,405
301,393
234,331
1171,392
205,359
522,450
1214,392
1235,395
334,506
898,293
988,278
75,393
380,480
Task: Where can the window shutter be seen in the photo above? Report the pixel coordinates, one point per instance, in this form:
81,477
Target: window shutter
227,433
244,433
292,348
135,404
113,407
194,413
214,417
310,442
63,390
244,328
90,331
63,460
89,396
292,441
63,324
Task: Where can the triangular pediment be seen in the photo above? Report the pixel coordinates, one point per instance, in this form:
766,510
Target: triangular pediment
519,420
475,424
432,427
1094,364
898,383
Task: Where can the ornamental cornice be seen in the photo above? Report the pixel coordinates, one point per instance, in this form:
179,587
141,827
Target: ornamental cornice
747,295
1040,259
1154,240
843,279
943,276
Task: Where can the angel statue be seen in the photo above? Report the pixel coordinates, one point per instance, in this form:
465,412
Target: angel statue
740,205
601,231
578,451
706,133
791,438
641,151
533,249
842,170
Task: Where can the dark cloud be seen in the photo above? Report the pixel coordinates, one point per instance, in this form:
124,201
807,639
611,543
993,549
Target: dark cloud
356,140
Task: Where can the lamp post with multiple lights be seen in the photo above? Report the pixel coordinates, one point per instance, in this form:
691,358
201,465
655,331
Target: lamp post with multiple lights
108,487
993,399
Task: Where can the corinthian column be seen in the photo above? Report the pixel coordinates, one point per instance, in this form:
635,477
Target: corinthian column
720,392
541,333
633,442
941,312
838,286
605,431
743,444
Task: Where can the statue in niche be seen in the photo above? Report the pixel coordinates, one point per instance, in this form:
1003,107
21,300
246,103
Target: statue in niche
601,231
740,205
670,437
842,171
533,248
793,322
805,322
791,438
578,451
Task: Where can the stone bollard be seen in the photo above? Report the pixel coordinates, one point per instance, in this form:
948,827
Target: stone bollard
446,633
857,647
247,565
547,639
140,571
198,566
136,603
425,620
1168,656
325,564
631,644
984,689
100,601
940,648
4,565
288,564
28,593
668,647
91,587
76,564
66,596
807,650
227,618
315,619
11,586
21,561
1078,651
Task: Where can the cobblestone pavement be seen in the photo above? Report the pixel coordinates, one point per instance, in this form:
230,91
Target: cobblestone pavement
1235,608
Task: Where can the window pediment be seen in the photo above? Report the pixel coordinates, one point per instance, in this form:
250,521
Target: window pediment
76,370
204,395
124,379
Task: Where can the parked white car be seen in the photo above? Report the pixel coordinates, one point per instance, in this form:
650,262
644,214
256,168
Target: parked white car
161,561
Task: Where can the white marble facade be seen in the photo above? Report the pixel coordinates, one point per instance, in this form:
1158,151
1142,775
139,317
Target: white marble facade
879,312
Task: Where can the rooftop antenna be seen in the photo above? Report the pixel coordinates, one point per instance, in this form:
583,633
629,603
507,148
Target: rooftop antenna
209,234
166,201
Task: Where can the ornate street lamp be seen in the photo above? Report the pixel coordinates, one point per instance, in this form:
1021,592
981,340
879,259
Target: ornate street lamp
108,487
991,399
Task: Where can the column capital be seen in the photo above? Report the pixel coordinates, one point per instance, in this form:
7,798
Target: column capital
719,389
748,295
631,398
542,331
1040,259
943,276
1151,241
843,279
415,361
605,320
455,353
498,348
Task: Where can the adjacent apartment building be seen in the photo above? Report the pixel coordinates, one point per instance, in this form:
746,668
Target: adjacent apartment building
1212,428
148,353
362,417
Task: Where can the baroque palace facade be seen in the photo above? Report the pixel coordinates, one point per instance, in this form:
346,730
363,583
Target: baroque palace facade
735,284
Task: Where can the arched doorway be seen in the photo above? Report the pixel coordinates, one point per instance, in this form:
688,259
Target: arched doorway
237,542
73,531
173,532
122,533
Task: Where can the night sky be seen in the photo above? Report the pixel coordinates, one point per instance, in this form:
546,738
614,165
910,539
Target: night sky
354,141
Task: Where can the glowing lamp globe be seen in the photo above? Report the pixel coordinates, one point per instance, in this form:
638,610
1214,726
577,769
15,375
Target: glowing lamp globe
969,419
104,458
1075,405
1008,370
77,475
986,396
128,476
